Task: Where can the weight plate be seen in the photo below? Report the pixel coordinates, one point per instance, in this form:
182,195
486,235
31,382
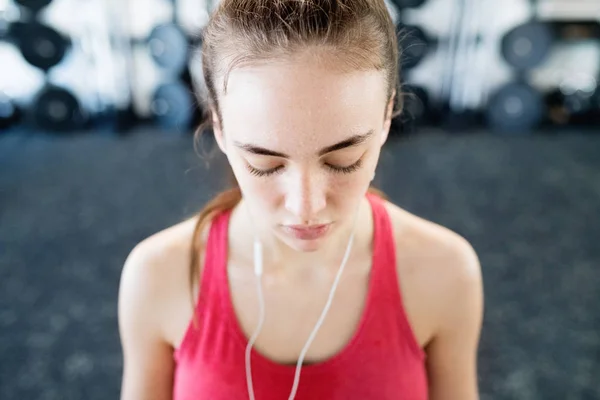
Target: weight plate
528,45
596,100
42,46
8,111
57,109
578,103
34,5
173,106
409,3
416,102
515,107
414,45
169,47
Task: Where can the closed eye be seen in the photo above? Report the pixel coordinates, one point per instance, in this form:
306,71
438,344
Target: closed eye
264,172
333,168
345,170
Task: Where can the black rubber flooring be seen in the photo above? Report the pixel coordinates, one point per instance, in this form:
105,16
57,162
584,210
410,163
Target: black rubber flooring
72,208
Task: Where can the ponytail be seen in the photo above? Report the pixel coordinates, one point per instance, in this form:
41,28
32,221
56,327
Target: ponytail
377,192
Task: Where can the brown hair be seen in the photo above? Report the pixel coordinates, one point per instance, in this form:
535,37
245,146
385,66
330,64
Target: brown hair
358,32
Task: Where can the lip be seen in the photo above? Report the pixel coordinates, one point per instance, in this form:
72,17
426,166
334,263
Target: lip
307,232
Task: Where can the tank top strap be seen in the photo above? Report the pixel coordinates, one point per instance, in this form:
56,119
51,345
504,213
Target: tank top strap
208,304
384,251
215,261
386,284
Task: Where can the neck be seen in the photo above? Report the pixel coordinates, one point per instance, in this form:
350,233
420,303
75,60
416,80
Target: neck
280,258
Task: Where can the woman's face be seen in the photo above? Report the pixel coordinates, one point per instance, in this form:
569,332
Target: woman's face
303,141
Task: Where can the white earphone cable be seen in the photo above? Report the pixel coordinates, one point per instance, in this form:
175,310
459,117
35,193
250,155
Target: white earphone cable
258,269
321,319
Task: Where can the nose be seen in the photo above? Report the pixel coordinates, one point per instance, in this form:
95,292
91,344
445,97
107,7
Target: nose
306,197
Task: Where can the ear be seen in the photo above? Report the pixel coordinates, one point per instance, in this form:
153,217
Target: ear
388,120
218,130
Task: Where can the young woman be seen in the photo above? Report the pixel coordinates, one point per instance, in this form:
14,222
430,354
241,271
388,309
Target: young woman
301,282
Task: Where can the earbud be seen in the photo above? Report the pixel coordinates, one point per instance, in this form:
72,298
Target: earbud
373,177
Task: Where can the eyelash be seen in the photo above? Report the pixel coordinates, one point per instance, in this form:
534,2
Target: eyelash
341,170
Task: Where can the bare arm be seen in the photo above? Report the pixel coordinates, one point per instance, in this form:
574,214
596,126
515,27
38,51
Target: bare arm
452,354
148,359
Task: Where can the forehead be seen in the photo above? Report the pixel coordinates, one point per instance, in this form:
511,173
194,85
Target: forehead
301,105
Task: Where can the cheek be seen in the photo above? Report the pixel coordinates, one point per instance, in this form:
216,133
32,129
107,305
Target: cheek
345,191
343,184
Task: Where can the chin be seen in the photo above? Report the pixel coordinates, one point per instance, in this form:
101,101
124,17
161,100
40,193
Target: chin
305,246
302,245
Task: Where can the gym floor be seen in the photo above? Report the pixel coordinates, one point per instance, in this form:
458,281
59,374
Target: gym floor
72,208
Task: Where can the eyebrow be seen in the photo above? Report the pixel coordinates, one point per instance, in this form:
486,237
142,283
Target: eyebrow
350,142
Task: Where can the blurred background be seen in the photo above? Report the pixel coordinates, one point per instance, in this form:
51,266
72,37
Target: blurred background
499,141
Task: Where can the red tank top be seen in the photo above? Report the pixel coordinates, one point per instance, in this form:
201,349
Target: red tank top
382,361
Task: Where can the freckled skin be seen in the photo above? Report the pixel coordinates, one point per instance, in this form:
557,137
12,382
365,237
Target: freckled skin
298,107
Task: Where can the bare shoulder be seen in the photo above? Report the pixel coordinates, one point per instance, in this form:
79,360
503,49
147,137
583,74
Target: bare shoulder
438,269
444,250
163,251
155,279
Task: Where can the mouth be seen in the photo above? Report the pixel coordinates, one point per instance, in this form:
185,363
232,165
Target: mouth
307,232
